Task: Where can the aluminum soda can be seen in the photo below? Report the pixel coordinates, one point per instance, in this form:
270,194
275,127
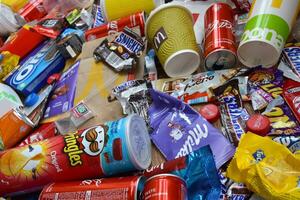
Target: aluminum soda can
121,188
135,20
165,187
14,126
103,150
266,31
220,47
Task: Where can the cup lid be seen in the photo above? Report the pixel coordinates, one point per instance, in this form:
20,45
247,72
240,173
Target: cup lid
138,142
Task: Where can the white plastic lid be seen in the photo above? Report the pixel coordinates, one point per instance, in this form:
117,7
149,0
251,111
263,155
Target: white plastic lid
182,63
255,53
138,142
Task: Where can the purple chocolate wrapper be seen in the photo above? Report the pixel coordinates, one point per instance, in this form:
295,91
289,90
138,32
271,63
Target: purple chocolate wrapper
178,130
62,97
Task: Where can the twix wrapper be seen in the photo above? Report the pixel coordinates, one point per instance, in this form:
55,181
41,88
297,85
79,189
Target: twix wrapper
102,150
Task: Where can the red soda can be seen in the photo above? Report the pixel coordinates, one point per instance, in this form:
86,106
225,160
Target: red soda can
220,47
122,188
33,10
43,132
103,150
135,20
165,187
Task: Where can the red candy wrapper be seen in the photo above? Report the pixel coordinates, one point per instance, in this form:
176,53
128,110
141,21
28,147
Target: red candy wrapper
291,95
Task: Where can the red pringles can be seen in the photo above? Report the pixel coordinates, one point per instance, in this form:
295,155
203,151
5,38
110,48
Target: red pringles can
135,20
165,187
220,47
103,150
122,188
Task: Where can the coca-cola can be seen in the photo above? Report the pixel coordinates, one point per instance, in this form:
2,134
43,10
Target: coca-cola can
135,20
165,187
220,47
122,188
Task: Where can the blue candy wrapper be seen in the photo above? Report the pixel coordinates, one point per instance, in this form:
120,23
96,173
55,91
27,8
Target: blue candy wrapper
199,171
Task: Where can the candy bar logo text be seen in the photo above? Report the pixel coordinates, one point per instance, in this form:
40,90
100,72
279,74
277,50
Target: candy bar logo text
293,56
129,43
72,150
159,37
265,34
193,139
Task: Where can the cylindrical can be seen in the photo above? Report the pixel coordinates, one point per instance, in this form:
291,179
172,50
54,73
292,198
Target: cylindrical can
14,126
266,31
135,20
111,8
220,48
173,40
165,187
103,150
123,188
43,132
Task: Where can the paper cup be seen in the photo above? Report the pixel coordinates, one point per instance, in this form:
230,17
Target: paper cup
115,9
266,32
169,30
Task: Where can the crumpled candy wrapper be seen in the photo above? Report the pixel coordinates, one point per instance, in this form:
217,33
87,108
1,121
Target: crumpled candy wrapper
179,130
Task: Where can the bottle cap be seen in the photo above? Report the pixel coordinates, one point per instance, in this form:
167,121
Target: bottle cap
210,112
31,99
258,124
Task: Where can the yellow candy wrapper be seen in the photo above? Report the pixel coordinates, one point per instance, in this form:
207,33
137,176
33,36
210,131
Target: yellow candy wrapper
9,62
266,167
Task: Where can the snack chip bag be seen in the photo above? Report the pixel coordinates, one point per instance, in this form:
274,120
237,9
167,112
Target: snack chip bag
266,167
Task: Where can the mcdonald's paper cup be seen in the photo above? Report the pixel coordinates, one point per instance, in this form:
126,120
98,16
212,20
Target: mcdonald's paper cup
115,9
267,29
169,30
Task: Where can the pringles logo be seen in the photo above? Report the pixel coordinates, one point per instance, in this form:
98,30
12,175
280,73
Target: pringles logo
93,142
159,38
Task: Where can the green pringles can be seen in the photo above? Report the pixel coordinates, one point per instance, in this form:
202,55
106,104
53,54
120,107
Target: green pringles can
170,32
267,29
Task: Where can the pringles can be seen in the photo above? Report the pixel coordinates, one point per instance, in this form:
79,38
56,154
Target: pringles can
122,188
103,150
14,126
169,30
165,187
220,48
266,31
135,20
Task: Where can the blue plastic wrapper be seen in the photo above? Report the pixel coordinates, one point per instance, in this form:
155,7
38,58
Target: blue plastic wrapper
199,171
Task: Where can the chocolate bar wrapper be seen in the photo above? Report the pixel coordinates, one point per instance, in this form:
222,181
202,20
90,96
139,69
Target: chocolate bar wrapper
291,94
197,88
231,189
233,114
270,84
62,97
291,142
122,52
123,92
201,179
179,130
291,58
